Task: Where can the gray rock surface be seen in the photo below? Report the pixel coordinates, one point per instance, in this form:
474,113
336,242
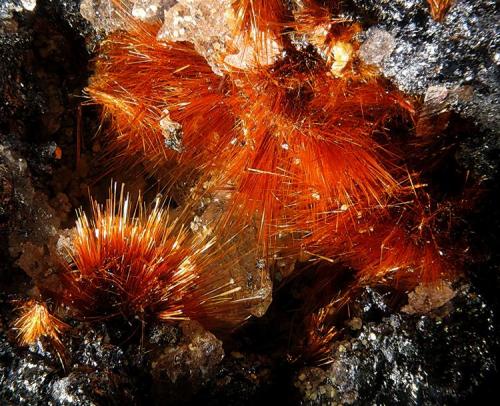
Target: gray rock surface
462,50
439,358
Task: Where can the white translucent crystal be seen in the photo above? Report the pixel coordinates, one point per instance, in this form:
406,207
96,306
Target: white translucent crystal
203,23
150,9
209,26
378,45
29,4
109,15
102,14
248,56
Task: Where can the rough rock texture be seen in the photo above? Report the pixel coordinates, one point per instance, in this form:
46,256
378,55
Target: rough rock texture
427,297
8,7
33,223
169,365
241,379
95,374
446,356
181,369
24,379
462,50
410,360
43,70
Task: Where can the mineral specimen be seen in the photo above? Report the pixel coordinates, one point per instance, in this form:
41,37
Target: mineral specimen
410,360
461,50
437,345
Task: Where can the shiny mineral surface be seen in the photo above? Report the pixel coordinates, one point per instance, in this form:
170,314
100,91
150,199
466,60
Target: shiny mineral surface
434,347
461,51
409,360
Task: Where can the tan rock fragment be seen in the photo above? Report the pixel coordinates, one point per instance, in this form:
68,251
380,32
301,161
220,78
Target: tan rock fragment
427,297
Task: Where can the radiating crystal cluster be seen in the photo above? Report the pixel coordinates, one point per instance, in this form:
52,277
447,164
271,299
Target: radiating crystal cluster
208,24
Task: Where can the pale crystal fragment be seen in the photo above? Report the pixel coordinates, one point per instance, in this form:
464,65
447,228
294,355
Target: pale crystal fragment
440,98
209,26
429,296
239,260
102,15
378,45
109,15
172,131
29,4
439,101
248,56
342,54
317,36
150,9
203,23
